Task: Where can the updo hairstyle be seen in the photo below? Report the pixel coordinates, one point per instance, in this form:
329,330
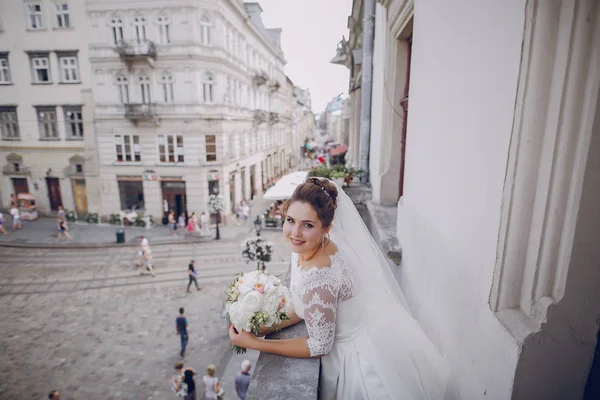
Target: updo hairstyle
321,194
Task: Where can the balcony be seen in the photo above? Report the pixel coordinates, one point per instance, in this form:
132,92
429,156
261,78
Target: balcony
260,78
140,112
260,117
274,86
273,118
133,50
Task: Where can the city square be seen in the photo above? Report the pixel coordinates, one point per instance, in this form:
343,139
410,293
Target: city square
84,321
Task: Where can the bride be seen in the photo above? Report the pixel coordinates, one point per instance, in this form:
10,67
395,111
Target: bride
357,319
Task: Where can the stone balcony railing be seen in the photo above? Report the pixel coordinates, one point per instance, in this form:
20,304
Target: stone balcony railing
283,378
136,112
135,49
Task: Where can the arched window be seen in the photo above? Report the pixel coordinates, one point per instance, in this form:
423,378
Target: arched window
164,36
145,92
123,85
205,30
208,87
117,29
166,80
139,26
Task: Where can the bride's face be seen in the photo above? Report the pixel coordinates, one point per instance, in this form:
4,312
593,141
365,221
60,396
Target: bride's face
302,228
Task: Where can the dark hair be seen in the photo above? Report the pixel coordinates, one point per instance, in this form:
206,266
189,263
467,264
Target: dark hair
51,394
179,365
181,310
321,194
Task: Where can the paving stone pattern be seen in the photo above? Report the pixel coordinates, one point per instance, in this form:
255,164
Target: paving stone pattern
87,323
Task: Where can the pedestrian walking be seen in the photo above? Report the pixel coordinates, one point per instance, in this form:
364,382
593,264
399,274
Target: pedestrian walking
190,228
242,380
193,275
2,225
147,261
245,212
63,229
183,383
212,386
181,223
16,217
61,213
54,395
172,223
181,325
204,224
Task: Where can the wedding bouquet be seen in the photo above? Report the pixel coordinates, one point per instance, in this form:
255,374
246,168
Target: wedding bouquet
255,299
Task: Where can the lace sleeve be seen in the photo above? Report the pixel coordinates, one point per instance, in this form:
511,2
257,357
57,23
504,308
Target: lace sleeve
320,304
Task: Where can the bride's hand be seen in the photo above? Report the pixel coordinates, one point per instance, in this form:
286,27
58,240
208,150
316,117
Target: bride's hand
242,339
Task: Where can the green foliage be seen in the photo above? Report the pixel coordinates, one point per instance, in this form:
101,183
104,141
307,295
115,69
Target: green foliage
115,219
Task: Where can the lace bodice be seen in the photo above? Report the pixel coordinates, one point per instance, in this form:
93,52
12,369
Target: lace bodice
316,293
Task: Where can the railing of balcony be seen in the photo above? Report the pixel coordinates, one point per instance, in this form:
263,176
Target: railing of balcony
136,48
138,111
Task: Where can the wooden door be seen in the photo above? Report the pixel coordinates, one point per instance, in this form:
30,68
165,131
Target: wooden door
404,105
80,196
20,185
54,193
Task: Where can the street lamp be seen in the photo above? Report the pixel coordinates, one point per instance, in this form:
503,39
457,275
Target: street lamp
215,206
257,225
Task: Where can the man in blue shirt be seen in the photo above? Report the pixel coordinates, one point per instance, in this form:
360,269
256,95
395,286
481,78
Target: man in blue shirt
181,326
242,380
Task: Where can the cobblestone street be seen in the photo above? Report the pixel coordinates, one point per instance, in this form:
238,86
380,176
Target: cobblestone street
87,323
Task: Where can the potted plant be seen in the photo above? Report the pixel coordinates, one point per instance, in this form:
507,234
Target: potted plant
338,177
257,249
115,219
71,216
92,218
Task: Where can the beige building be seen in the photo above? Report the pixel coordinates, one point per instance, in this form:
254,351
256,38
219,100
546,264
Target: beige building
188,101
44,78
303,126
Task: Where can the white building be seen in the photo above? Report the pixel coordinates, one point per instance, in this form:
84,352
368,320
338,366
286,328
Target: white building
187,101
303,125
494,170
44,76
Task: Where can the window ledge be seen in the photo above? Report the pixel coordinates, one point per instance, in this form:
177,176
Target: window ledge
42,83
126,163
171,164
70,83
50,139
11,138
36,29
66,28
6,83
75,139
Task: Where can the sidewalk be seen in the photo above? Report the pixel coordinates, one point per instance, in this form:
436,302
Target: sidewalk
43,232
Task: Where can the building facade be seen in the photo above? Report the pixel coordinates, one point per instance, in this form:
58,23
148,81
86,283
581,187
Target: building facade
303,126
485,142
44,80
188,102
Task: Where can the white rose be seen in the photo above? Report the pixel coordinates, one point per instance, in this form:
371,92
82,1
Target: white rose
271,304
252,302
239,317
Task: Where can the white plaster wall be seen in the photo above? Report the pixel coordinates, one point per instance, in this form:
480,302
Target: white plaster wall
462,97
377,102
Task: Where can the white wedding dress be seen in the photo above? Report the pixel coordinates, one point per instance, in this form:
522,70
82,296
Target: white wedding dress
361,358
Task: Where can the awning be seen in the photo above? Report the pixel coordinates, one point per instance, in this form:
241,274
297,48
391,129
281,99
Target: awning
336,151
285,186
